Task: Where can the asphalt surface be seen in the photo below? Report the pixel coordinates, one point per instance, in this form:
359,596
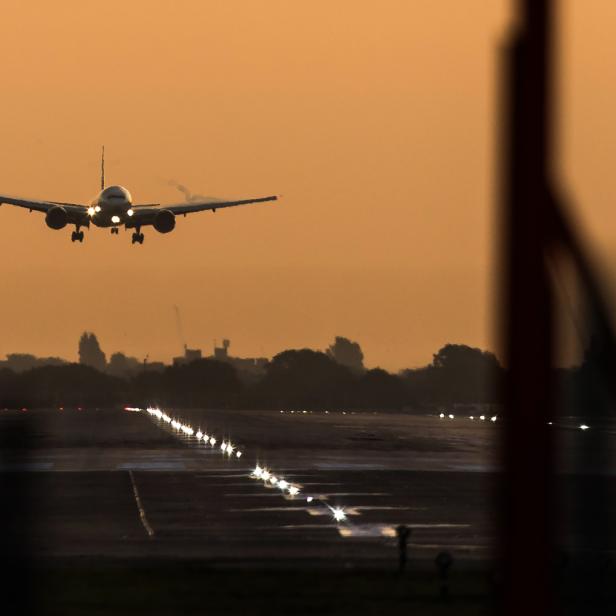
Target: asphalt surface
117,484
111,512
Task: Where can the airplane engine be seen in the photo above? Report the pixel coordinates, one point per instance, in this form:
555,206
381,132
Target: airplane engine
164,221
56,217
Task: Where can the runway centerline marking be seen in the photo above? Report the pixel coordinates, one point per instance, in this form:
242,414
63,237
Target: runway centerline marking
142,516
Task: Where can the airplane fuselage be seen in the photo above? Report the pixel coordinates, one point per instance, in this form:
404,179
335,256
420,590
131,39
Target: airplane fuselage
112,207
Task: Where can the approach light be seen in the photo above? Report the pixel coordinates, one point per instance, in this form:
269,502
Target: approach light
493,418
265,475
258,472
584,427
471,417
223,446
199,435
283,484
482,417
115,220
238,454
339,514
309,499
442,415
212,441
273,480
293,490
451,416
130,212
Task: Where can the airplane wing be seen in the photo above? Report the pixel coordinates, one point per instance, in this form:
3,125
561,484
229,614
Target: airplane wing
73,209
201,206
145,215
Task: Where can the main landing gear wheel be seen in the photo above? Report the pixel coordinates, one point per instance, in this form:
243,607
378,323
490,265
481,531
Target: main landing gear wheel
137,238
114,230
77,236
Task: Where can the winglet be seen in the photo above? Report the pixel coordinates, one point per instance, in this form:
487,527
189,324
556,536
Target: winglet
103,169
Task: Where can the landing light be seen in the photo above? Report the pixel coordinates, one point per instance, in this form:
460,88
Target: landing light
91,211
115,220
97,209
130,212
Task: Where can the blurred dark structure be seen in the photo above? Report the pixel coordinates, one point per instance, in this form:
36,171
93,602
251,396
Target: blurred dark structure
538,240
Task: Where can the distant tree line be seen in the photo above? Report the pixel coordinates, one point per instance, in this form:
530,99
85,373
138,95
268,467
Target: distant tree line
293,379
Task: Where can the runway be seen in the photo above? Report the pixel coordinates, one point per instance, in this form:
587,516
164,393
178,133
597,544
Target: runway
116,484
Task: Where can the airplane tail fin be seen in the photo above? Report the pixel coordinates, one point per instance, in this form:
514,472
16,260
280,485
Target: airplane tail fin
103,169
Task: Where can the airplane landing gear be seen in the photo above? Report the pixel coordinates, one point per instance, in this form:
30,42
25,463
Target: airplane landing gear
137,238
114,230
77,236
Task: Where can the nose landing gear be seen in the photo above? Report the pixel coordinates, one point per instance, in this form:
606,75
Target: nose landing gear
137,238
77,236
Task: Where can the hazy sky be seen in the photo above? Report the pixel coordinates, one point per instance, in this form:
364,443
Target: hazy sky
375,120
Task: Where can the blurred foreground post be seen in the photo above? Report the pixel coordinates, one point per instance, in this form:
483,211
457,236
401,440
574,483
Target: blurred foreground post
527,499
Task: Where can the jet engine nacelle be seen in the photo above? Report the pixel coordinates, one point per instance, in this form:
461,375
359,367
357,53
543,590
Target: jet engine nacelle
56,217
164,221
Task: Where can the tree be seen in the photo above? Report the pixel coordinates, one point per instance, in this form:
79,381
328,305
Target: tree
347,353
121,365
90,352
306,378
465,374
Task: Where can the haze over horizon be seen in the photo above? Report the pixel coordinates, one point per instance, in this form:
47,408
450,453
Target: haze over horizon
376,124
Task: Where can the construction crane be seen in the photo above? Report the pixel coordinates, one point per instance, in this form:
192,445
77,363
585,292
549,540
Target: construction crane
178,322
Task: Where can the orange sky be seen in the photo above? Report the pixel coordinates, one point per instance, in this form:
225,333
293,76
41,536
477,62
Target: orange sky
376,121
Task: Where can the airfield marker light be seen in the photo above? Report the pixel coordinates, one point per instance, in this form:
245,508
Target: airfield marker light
584,427
442,415
451,416
91,211
339,514
482,417
293,490
199,435
493,418
130,212
238,454
549,423
471,418
115,220
212,441
309,499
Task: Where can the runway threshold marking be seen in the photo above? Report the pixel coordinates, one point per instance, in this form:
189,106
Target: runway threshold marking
142,516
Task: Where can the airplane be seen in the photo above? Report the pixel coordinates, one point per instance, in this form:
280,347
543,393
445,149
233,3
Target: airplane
113,207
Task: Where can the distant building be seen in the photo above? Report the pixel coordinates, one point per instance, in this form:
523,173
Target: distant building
189,356
251,367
